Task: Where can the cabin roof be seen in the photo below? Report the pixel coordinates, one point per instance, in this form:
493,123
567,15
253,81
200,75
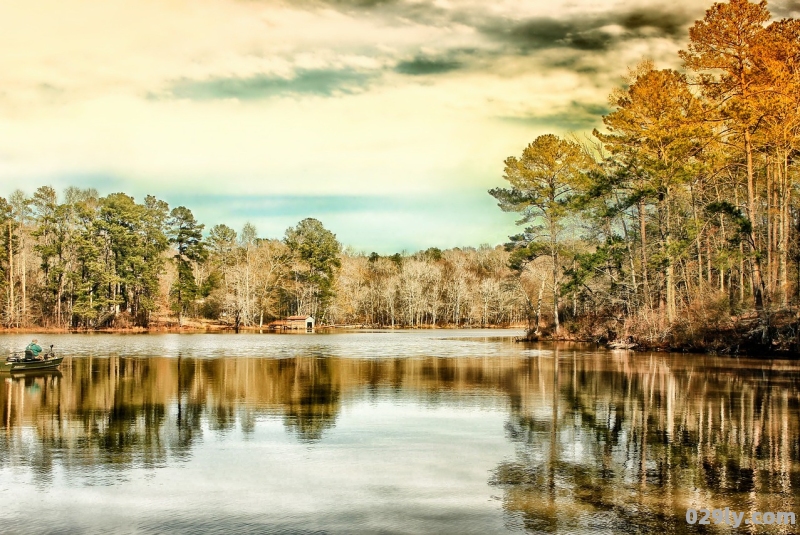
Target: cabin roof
298,317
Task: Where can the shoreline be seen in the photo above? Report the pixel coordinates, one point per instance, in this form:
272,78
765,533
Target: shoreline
224,328
748,339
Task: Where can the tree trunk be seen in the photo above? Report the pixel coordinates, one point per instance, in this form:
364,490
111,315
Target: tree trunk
643,237
669,272
757,280
24,286
539,305
670,292
783,242
769,187
10,277
634,289
554,252
699,251
58,300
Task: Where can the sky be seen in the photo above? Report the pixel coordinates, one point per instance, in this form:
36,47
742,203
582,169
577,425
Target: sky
387,120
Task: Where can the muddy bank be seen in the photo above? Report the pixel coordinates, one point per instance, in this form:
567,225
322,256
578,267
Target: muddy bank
773,334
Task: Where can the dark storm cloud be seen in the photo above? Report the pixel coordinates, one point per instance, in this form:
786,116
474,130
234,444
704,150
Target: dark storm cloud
324,82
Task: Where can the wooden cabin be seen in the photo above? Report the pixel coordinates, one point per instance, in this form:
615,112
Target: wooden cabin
293,323
300,323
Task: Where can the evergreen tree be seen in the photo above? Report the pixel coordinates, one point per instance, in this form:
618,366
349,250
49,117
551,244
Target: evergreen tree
186,234
316,253
549,176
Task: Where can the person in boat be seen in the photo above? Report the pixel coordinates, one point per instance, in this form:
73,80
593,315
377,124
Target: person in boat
33,350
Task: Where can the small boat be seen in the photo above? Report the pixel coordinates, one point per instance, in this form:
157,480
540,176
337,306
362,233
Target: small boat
20,362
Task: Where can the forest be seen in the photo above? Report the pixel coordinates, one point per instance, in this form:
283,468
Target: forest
92,262
676,224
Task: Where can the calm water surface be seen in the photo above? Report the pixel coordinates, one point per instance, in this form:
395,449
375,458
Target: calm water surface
390,432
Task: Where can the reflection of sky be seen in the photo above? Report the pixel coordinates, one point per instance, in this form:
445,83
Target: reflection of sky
384,466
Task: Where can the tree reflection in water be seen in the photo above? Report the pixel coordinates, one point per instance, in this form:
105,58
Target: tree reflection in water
627,443
604,441
127,412
313,402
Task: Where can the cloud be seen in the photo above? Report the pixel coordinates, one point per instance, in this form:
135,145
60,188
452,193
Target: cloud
76,50
548,33
577,116
322,82
422,65
666,23
252,50
531,27
396,11
785,8
361,3
593,32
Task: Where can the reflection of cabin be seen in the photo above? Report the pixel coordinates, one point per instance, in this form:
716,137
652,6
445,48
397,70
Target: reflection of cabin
300,323
293,323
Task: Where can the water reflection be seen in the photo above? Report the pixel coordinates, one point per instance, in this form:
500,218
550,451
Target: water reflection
143,411
625,444
604,441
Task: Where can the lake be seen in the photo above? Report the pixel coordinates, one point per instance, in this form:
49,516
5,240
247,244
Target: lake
446,431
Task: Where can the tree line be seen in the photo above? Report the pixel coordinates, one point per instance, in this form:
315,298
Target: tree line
85,261
79,260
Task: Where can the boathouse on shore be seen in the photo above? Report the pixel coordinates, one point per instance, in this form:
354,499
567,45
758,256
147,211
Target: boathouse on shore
293,323
300,323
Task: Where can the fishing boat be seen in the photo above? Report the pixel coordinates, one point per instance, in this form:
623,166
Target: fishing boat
20,362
